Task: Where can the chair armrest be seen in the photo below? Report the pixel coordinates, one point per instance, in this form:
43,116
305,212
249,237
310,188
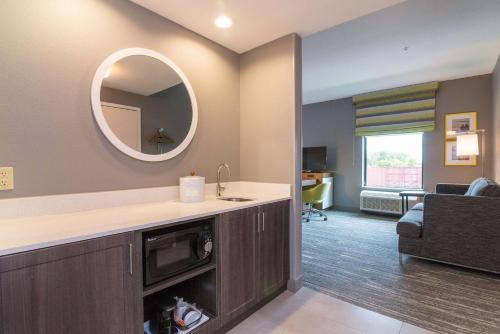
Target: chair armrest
462,229
451,188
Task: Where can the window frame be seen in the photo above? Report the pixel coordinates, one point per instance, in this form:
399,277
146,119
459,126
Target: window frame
364,166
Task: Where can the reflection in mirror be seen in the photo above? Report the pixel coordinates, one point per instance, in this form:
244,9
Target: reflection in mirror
146,104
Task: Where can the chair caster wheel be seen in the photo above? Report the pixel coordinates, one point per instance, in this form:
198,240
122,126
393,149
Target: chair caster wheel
325,219
307,220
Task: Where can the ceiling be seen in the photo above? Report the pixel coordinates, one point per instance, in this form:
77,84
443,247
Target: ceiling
444,39
141,75
257,22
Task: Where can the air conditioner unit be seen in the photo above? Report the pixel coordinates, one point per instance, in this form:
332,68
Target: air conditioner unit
383,202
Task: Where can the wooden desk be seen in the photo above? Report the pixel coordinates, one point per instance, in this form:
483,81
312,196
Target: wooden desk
316,176
308,182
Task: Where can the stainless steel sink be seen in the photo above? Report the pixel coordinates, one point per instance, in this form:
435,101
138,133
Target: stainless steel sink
235,199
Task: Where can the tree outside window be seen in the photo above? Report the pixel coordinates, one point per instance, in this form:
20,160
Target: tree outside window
393,161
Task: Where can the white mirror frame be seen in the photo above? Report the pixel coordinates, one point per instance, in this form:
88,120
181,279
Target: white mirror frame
103,124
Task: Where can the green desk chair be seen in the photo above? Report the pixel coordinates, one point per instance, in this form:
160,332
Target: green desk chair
315,195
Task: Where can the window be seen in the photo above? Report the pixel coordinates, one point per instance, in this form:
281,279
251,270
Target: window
393,161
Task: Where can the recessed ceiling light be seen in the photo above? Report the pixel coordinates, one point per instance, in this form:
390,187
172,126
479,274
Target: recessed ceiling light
223,22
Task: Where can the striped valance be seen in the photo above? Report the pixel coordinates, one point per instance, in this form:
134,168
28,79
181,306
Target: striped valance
399,110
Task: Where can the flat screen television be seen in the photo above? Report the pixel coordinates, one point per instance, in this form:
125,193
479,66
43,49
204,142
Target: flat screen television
314,159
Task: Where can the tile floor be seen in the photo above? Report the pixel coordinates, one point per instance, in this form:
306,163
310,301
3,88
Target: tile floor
311,312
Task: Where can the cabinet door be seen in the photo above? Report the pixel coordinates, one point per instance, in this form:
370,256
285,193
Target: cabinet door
79,288
273,248
238,262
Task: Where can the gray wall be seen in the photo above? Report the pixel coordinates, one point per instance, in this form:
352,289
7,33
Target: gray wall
332,124
267,112
169,109
496,119
270,125
50,52
467,94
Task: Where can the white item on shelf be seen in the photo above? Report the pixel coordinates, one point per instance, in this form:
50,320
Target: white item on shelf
192,189
203,319
147,327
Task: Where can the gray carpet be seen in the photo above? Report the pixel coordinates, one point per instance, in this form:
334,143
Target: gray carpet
354,258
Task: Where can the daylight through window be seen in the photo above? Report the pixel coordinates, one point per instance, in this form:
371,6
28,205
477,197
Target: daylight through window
393,161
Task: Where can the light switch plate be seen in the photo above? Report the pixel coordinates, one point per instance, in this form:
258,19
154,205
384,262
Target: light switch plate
6,178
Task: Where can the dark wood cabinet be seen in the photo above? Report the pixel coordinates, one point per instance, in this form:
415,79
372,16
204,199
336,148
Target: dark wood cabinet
79,288
238,262
253,256
95,286
273,250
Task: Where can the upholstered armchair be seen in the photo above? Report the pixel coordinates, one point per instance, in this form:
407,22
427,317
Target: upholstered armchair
458,224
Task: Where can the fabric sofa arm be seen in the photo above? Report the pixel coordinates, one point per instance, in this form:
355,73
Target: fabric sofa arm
451,188
463,229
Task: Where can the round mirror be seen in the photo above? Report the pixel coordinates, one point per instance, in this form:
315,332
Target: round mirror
144,104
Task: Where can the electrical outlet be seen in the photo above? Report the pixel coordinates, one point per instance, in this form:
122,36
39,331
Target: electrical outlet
6,178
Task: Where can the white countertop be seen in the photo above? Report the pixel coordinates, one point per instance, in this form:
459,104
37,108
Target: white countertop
29,233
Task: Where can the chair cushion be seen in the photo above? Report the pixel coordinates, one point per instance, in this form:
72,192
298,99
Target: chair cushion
492,190
418,206
478,186
410,225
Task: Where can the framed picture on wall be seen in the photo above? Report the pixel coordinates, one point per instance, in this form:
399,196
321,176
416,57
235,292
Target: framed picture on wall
459,122
452,159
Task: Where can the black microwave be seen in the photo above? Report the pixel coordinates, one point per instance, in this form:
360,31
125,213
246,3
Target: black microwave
172,251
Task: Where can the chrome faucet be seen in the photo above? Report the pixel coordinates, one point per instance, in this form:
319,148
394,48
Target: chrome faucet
221,188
